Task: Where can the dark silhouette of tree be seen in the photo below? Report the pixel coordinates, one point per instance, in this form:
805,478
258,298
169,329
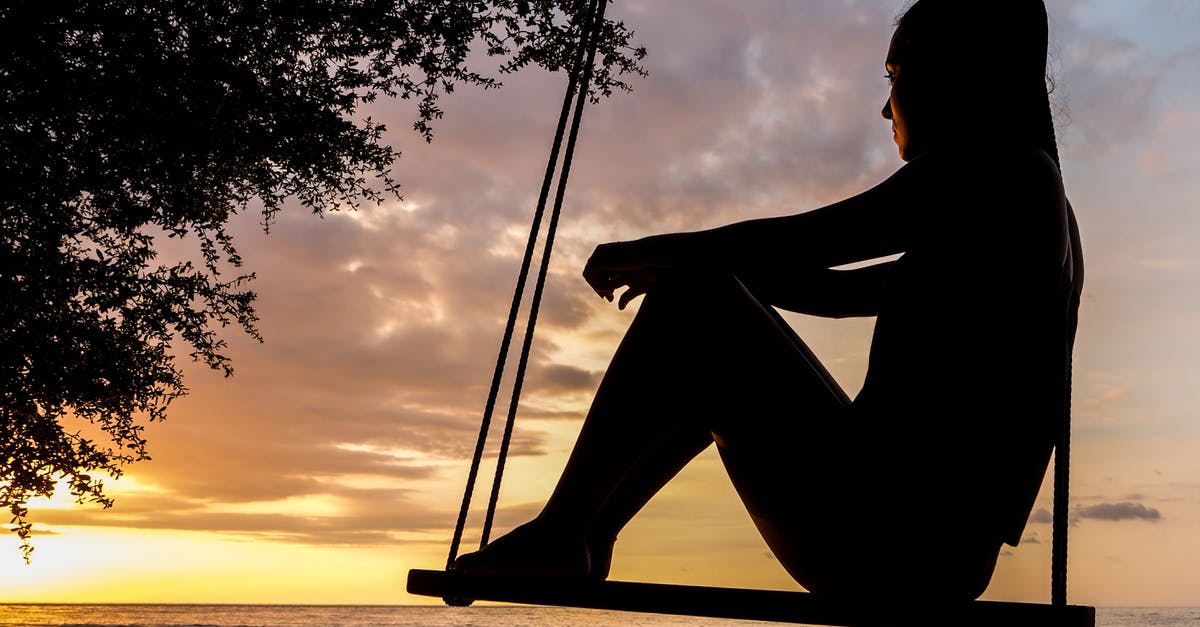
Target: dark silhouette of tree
123,122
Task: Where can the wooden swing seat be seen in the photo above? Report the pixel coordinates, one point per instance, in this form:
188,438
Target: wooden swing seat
738,603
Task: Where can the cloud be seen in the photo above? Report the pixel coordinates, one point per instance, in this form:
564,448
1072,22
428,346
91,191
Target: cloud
1124,510
1108,84
355,517
562,378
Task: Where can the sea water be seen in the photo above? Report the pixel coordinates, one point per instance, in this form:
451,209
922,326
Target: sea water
73,615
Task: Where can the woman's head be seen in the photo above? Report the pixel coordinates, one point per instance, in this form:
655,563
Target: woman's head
964,70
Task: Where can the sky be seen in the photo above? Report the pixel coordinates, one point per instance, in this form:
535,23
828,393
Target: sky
334,459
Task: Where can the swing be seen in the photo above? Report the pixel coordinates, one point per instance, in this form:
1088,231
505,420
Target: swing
461,589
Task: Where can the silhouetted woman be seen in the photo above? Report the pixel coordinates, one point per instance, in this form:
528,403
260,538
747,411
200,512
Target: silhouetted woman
913,486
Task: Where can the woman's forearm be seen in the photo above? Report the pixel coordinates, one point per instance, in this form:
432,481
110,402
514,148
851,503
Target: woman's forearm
803,242
770,268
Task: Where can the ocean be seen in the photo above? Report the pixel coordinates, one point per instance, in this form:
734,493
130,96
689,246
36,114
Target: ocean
131,615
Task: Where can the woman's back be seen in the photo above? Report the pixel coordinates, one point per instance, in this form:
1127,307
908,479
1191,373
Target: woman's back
967,368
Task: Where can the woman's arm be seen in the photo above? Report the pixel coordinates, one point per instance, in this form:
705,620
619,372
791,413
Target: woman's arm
826,293
772,253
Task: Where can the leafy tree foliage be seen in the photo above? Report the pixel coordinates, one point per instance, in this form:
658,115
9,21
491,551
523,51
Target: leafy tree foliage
124,121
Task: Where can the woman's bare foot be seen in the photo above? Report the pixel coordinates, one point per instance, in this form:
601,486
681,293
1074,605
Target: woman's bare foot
533,549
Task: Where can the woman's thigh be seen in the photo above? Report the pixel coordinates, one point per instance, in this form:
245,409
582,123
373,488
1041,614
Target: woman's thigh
806,465
832,491
783,425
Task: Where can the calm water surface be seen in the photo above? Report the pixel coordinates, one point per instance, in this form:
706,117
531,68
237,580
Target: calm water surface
45,615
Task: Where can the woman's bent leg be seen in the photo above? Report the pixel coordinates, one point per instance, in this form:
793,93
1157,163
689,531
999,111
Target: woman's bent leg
702,358
833,498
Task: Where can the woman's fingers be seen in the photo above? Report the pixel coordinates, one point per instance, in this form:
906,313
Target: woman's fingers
605,268
606,284
637,283
633,292
616,265
602,282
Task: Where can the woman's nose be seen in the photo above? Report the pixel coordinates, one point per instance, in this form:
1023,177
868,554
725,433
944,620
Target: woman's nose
887,109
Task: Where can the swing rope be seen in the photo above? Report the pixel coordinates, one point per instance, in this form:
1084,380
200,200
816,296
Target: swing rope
1058,541
590,45
1062,446
584,57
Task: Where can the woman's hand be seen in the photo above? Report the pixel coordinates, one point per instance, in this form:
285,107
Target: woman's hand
633,265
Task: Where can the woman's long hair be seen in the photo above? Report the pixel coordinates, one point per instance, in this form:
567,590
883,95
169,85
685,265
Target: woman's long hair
984,63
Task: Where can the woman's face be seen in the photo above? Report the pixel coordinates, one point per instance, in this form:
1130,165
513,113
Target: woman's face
904,106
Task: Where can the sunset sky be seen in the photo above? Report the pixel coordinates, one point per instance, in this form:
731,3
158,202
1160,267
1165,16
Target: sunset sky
334,460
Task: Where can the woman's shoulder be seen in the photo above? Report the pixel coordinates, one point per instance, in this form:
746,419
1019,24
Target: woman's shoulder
986,173
1020,182
999,199
984,163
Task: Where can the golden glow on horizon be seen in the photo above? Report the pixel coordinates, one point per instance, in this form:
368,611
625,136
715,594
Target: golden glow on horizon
89,565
